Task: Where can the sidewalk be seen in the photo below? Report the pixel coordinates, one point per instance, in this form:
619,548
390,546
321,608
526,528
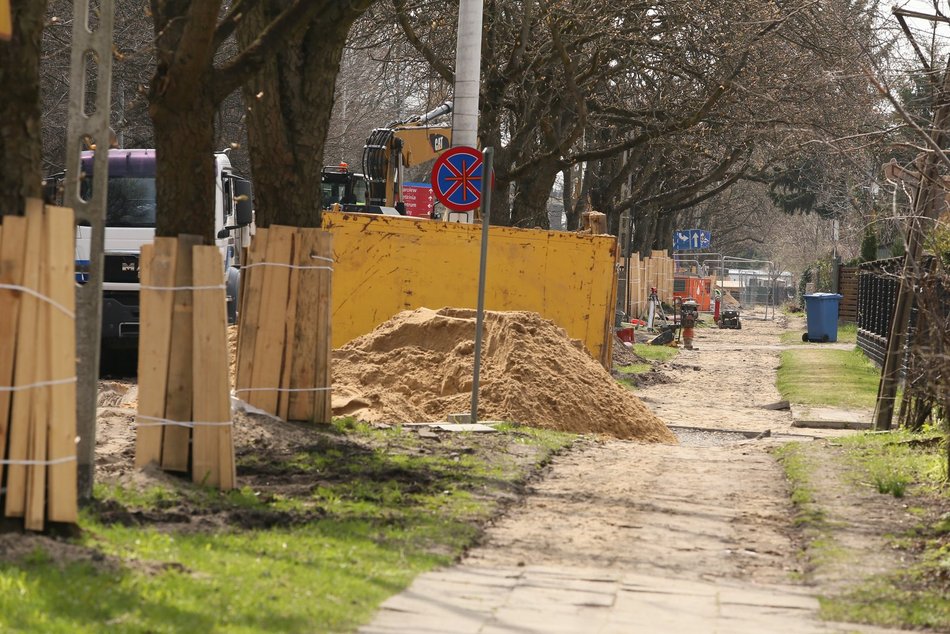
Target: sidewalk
550,600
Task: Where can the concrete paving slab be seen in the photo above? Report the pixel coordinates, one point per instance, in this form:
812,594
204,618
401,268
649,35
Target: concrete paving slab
459,427
517,619
561,597
556,600
830,417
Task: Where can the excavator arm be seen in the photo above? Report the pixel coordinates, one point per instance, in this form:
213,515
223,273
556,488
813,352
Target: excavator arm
388,151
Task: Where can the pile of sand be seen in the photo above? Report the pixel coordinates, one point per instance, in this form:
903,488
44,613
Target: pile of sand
417,367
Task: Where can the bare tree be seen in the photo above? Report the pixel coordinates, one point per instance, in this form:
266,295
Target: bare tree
661,105
187,87
290,103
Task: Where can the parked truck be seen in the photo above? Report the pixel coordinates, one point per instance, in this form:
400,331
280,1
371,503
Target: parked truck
130,223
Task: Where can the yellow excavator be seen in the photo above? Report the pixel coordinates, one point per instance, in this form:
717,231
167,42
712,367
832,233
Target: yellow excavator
400,145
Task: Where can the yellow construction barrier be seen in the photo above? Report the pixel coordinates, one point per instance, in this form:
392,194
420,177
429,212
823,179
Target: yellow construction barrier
386,264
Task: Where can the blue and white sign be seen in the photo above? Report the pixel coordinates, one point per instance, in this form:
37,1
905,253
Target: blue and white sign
691,239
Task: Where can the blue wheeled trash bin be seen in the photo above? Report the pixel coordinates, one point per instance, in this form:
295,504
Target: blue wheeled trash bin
822,312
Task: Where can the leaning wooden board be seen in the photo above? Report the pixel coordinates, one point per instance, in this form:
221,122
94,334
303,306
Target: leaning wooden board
12,252
62,489
25,372
158,269
178,400
212,445
35,504
269,346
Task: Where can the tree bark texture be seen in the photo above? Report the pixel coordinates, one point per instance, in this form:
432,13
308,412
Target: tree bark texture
181,106
184,183
532,192
289,103
21,174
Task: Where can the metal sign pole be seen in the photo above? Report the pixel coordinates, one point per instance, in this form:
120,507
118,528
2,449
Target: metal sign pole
85,126
487,164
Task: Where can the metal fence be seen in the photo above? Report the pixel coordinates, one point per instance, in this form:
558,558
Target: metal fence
877,293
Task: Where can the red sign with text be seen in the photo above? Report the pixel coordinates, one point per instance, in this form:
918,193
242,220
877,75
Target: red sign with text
418,198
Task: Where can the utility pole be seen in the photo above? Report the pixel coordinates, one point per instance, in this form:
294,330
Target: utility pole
927,204
93,126
468,59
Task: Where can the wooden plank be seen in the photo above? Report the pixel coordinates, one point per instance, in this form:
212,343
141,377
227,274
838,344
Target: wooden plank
290,326
644,283
212,446
303,374
322,408
12,253
668,281
158,269
25,367
35,508
178,393
269,346
62,489
250,312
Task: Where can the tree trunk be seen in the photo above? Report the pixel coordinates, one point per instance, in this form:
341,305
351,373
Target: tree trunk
580,201
289,106
21,174
645,228
184,183
663,236
530,208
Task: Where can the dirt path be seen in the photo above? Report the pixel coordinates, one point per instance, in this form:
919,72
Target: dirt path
624,537
726,380
693,512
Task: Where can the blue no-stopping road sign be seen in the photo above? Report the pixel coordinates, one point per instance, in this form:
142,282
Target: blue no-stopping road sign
457,178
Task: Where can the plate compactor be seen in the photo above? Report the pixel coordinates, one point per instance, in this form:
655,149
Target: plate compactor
729,318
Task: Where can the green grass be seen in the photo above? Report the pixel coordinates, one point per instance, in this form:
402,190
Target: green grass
892,464
885,601
903,465
368,518
324,577
655,353
918,595
794,460
635,368
836,378
847,333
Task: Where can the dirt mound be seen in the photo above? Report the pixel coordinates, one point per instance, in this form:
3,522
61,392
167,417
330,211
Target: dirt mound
622,355
417,367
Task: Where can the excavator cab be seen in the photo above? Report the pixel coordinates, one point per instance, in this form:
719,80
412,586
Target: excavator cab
341,186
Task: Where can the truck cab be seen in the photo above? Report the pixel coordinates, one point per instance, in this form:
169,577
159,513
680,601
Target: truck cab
130,223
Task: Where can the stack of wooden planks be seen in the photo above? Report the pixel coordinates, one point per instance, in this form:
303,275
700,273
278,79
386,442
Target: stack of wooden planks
284,343
38,366
184,415
655,271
